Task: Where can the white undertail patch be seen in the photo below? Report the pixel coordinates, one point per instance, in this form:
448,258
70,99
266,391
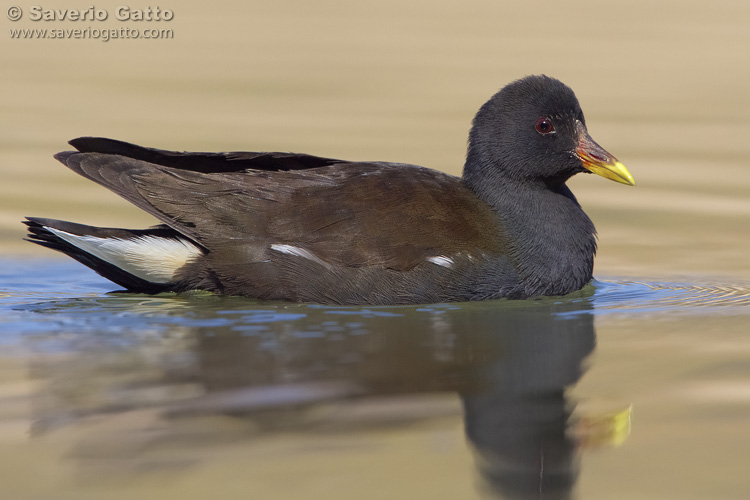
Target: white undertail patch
441,260
151,258
299,252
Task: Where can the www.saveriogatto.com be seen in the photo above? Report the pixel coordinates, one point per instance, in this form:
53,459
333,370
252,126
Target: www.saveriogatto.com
43,23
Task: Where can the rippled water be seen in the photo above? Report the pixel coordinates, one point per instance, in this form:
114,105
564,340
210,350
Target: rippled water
630,389
502,399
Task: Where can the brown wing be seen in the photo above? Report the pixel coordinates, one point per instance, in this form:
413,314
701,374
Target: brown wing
347,214
388,215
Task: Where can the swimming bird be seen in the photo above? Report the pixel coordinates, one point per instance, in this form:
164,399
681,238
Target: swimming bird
286,226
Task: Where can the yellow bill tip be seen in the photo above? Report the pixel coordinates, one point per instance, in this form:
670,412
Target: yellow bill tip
599,161
614,171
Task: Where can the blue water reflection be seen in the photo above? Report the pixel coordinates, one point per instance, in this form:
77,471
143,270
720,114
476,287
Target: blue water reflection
510,362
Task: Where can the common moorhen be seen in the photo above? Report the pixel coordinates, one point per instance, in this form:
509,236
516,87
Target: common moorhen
310,229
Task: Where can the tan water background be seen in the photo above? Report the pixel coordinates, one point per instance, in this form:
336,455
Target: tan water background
664,86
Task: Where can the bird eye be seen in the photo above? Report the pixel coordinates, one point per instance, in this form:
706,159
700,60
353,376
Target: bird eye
544,126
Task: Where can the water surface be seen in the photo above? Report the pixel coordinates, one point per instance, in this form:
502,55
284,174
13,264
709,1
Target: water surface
638,387
623,388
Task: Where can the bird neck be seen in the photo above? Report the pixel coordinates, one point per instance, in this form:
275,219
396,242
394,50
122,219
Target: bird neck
552,241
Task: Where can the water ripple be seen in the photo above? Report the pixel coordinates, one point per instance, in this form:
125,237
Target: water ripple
642,296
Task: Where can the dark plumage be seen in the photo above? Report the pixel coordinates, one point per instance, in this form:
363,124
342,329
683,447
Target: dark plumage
303,228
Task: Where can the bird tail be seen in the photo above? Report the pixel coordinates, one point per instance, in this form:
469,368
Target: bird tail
144,261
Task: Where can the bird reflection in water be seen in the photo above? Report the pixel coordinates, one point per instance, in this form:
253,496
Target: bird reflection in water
511,363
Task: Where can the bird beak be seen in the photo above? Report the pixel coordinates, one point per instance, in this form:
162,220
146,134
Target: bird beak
597,160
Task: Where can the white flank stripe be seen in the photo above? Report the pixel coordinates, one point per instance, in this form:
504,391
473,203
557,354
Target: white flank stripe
150,258
299,252
441,260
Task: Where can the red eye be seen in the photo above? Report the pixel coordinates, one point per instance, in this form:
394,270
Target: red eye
544,126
